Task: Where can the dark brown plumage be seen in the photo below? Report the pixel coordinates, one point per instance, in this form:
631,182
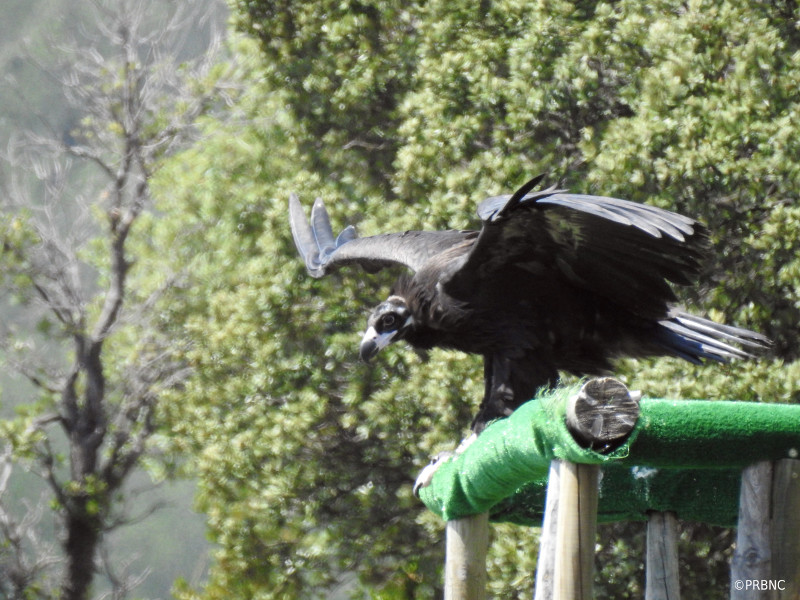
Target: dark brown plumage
552,282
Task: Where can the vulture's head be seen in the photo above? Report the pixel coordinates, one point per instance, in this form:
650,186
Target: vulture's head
390,321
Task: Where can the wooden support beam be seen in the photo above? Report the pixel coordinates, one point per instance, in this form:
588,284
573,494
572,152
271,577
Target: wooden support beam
545,563
600,416
661,565
752,559
766,562
467,541
565,567
576,529
786,529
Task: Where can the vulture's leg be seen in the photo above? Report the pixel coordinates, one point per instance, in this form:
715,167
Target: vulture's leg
498,401
498,398
425,476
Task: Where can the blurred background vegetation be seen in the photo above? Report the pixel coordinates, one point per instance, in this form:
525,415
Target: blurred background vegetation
405,115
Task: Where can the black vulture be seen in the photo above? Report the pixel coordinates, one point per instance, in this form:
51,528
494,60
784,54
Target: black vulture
551,282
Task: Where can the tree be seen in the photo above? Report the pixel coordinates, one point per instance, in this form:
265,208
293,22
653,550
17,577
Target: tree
306,458
339,63
81,334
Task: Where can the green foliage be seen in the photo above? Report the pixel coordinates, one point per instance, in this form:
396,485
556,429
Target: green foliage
339,64
406,117
713,134
16,238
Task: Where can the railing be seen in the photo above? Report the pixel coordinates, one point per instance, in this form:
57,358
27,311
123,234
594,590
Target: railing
602,416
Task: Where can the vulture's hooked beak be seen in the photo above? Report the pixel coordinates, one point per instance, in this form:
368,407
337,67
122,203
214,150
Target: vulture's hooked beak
373,341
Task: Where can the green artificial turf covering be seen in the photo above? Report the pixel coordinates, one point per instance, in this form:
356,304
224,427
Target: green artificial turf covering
684,456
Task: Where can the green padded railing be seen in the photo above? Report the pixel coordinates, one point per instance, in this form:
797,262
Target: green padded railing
684,456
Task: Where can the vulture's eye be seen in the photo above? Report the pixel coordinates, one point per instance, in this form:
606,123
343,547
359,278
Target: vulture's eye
388,321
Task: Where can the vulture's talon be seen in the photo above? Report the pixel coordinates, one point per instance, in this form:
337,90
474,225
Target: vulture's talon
426,475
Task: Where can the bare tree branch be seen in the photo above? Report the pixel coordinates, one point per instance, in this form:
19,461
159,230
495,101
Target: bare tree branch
122,582
25,557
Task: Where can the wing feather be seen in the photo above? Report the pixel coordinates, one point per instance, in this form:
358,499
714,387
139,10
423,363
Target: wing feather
303,234
622,250
323,252
321,226
649,219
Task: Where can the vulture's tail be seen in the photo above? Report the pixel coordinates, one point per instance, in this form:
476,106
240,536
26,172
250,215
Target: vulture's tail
694,338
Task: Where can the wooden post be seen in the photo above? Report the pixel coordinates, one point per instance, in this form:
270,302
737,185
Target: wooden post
565,565
576,528
786,529
661,565
603,414
545,563
600,416
467,540
752,556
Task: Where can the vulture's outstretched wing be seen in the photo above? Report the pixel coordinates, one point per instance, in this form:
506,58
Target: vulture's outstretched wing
620,250
323,252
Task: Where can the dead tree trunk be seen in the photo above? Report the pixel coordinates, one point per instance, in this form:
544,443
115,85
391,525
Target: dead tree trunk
80,548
